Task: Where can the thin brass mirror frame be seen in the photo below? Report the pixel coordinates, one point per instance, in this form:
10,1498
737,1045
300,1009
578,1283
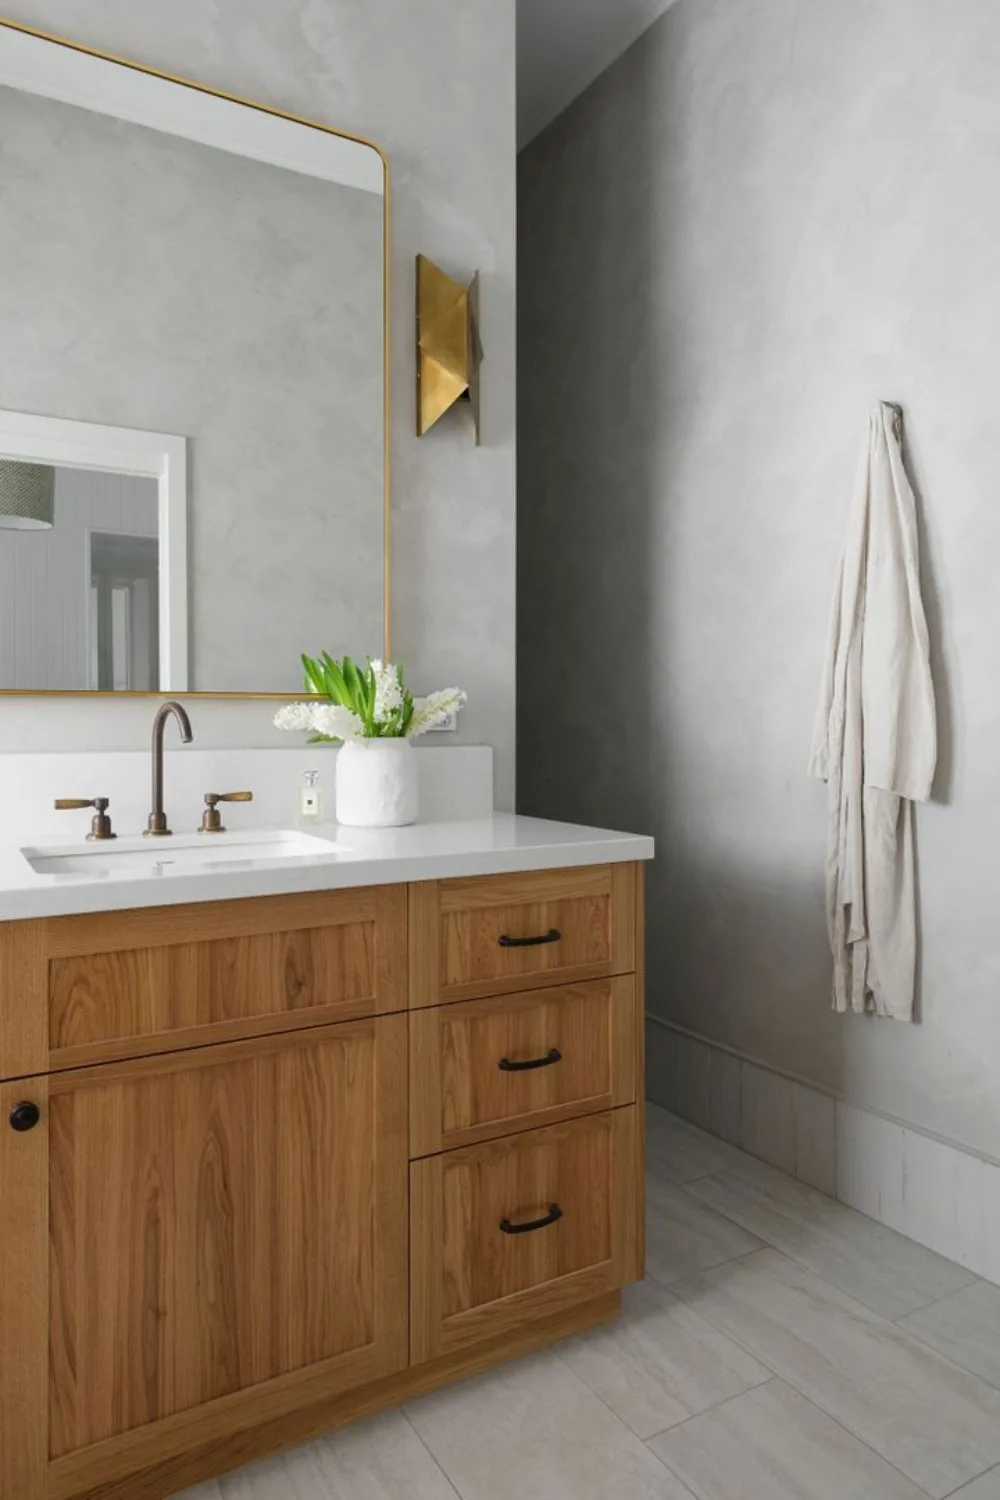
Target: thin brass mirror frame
267,109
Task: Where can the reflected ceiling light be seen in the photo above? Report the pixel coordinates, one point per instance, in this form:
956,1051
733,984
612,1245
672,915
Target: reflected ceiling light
27,495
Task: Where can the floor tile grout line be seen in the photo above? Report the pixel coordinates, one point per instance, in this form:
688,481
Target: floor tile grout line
579,1380
953,1494
830,1197
711,1410
432,1456
791,1255
911,1333
976,1280
753,1353
707,1271
557,1351
687,1181
783,1379
669,1469
830,1287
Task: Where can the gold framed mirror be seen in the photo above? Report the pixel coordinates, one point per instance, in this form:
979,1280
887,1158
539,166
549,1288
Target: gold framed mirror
194,393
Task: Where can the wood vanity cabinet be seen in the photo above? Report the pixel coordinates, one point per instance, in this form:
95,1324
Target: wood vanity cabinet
272,1164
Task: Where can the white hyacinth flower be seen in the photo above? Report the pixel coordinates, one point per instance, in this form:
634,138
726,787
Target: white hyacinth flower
436,709
336,722
294,716
319,718
388,692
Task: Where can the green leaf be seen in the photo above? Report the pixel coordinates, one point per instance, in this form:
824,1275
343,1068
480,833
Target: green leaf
334,684
352,678
362,702
313,675
406,715
369,679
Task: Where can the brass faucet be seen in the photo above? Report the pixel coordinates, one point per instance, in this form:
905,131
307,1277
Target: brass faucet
156,827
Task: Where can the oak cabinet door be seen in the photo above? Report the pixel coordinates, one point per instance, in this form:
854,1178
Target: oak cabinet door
224,1222
514,1229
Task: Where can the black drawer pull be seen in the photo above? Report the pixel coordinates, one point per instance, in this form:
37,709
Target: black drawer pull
552,936
506,1066
553,1216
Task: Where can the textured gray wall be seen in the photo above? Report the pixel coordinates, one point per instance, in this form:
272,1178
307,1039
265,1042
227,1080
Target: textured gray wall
241,306
763,218
434,85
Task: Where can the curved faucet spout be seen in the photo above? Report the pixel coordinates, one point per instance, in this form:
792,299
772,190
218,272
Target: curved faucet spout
156,826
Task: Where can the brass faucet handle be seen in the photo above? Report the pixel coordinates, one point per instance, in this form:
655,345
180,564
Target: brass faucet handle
211,819
100,823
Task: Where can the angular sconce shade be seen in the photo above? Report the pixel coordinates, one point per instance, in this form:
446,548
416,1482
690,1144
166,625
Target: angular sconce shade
27,495
448,349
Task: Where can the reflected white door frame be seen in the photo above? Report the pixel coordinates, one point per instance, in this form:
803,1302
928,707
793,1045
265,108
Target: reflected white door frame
125,450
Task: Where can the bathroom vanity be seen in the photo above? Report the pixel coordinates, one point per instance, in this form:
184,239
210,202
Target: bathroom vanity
292,1126
271,1163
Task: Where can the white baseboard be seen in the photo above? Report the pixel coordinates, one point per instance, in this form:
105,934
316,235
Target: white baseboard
933,1191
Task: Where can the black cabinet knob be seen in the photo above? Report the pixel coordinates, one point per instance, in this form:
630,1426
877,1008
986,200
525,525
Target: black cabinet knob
25,1116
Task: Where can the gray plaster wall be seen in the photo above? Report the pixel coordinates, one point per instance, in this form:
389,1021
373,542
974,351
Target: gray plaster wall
434,85
764,217
162,284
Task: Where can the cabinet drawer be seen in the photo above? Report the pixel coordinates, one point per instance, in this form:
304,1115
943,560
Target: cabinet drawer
495,934
129,983
489,1067
512,1230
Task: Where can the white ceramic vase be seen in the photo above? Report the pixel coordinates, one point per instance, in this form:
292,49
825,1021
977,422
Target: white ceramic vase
376,784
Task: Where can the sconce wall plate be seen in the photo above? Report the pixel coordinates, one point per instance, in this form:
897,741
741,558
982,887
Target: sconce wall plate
448,349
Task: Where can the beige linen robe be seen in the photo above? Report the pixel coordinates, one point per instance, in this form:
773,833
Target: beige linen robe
875,742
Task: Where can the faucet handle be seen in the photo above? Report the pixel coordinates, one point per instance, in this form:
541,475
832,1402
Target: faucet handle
211,818
100,823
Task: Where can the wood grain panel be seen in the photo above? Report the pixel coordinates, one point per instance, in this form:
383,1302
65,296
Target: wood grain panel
192,989
157,926
24,1303
224,1218
158,1461
23,1018
638,1229
591,908
458,1092
469,1280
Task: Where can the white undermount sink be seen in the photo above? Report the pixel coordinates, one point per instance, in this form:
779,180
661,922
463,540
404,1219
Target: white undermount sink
178,855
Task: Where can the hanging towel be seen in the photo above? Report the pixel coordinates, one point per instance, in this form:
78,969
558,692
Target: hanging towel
875,742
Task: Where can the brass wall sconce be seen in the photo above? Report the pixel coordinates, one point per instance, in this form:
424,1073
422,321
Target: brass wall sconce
449,352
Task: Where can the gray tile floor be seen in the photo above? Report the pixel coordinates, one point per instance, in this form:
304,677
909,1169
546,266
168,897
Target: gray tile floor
782,1347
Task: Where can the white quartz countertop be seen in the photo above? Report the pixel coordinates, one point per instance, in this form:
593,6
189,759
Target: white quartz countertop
142,872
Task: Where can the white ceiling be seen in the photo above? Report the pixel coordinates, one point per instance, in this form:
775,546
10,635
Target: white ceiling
562,45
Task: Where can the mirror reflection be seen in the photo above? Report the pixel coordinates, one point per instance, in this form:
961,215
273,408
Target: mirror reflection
79,579
183,265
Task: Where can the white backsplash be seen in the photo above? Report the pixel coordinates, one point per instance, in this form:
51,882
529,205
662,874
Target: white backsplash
456,781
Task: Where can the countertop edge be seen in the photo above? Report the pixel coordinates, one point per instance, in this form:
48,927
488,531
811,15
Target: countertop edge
605,847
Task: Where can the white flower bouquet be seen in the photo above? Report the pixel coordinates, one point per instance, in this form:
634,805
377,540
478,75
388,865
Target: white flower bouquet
364,703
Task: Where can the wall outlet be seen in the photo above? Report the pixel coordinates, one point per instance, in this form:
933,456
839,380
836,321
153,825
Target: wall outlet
447,726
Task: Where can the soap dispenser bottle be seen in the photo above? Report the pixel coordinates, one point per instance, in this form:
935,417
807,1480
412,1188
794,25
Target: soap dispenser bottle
310,800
